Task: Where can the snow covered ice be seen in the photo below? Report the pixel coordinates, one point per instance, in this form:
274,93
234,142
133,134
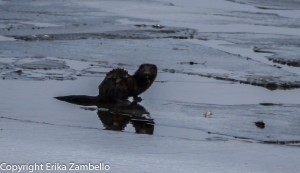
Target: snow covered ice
236,60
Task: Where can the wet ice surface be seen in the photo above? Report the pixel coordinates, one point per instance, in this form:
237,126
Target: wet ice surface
236,59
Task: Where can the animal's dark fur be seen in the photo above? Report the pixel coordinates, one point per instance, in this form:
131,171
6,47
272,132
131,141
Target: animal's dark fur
118,85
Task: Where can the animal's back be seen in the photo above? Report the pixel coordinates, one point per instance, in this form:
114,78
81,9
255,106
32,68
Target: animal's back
116,85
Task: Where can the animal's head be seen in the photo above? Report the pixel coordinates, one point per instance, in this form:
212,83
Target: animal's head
146,72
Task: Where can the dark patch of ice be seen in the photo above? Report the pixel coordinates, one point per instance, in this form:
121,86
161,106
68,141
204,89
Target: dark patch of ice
45,64
162,32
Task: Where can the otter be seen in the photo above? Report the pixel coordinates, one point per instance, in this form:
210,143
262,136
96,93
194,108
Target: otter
118,85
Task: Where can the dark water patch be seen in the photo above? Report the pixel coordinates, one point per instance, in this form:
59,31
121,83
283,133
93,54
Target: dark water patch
270,104
174,33
284,61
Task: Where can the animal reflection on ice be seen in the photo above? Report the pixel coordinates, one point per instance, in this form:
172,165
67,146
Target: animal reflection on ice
117,117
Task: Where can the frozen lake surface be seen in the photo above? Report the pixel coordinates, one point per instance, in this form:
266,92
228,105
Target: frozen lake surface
238,59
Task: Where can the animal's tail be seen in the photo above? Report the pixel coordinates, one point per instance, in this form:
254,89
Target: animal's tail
79,99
